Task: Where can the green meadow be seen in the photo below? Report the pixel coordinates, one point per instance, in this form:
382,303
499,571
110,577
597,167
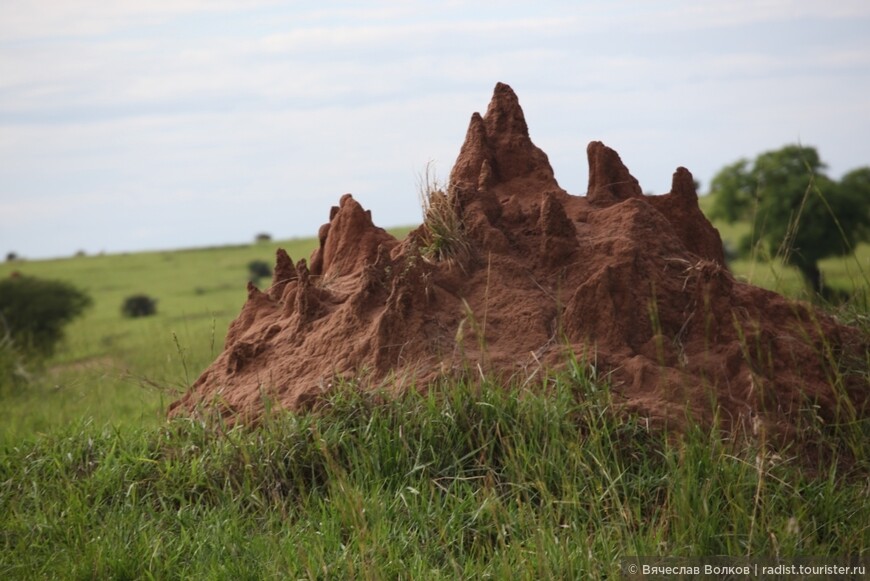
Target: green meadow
472,480
125,371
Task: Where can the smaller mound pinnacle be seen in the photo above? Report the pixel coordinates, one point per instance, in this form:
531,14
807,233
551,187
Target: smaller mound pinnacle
284,273
680,207
558,236
350,241
683,184
474,153
610,181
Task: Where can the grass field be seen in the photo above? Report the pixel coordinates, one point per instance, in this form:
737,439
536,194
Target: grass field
125,370
480,481
487,481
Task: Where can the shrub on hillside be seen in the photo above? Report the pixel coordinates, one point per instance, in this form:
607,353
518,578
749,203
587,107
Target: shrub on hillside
140,305
263,237
33,312
13,367
258,269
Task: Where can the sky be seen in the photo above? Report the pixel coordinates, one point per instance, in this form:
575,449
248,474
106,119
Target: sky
159,124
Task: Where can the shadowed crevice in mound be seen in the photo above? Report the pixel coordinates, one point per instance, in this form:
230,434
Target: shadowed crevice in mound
636,283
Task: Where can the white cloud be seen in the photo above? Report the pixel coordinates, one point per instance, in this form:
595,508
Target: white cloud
409,35
708,14
213,108
25,19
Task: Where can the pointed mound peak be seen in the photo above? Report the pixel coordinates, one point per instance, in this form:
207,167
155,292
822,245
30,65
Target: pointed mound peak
284,273
501,139
680,207
350,241
683,184
504,116
610,182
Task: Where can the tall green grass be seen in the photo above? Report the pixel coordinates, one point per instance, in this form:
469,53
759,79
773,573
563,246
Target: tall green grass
469,480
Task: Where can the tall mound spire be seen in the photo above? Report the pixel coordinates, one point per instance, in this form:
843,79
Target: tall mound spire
498,145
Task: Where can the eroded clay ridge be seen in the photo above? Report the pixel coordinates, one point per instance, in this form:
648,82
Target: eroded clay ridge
635,283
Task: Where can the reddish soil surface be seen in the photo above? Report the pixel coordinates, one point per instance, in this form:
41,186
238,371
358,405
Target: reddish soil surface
636,284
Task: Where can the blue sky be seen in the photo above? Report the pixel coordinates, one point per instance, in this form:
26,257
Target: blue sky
138,124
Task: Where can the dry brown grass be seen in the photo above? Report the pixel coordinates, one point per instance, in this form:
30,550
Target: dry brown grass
445,238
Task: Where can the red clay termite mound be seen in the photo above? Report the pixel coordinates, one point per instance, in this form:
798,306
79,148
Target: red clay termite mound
635,283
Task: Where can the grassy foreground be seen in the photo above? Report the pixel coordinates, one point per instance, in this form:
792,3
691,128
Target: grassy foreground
465,482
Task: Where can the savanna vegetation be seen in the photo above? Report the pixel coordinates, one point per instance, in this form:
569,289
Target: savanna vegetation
33,311
471,480
795,212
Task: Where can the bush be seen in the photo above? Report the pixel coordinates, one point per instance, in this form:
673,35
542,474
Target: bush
33,312
258,269
796,211
14,371
444,237
263,237
140,305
